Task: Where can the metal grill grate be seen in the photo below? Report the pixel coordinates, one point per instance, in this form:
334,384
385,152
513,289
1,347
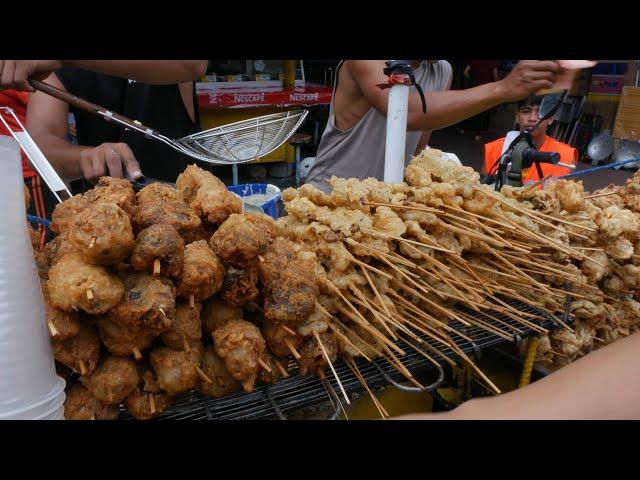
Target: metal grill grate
298,392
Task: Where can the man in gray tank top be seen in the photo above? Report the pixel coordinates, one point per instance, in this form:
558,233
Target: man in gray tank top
353,143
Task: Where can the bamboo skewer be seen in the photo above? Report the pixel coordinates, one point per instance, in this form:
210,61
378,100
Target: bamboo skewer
203,375
354,368
92,243
152,404
136,353
282,370
192,303
292,349
287,329
185,345
263,365
52,329
346,339
480,217
375,313
333,370
83,369
420,208
375,291
89,293
597,195
156,266
406,240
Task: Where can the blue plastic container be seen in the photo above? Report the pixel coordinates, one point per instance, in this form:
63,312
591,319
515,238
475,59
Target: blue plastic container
270,207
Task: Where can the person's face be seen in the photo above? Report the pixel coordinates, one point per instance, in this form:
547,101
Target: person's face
527,117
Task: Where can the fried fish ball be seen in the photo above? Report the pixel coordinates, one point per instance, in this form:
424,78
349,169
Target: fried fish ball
159,192
58,247
222,382
118,191
149,303
80,404
312,358
113,380
177,214
123,341
175,370
75,284
240,344
279,339
80,353
217,312
64,214
102,233
189,181
242,237
159,242
239,286
185,328
202,272
61,325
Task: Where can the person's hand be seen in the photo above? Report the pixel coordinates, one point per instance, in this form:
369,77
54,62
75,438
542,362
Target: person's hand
15,73
529,77
112,159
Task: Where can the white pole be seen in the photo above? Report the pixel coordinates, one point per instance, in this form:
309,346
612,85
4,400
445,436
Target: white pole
396,133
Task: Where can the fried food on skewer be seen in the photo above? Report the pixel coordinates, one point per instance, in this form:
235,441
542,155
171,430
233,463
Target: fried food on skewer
112,380
202,272
118,191
185,328
71,280
159,192
175,370
242,237
240,344
239,286
147,400
279,340
102,234
172,212
207,195
80,353
161,243
216,312
80,404
64,214
312,357
222,382
148,303
60,324
275,374
121,340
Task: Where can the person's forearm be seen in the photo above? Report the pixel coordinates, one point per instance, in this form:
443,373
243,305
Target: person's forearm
158,72
64,156
446,108
602,385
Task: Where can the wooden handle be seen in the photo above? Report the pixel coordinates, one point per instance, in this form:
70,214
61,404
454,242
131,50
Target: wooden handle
87,106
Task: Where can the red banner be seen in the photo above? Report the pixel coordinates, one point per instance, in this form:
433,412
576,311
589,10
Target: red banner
241,97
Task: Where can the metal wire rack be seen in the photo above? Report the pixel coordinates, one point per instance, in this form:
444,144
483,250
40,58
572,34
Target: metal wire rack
297,392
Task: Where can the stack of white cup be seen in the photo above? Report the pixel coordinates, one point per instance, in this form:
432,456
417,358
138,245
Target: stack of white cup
29,386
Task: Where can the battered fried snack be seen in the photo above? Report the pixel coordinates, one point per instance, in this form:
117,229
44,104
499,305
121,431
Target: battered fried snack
102,234
240,286
121,340
242,237
312,357
223,383
57,248
175,213
65,213
159,192
113,380
159,243
80,353
217,312
240,344
74,284
202,272
80,404
280,340
149,303
186,327
60,324
175,369
113,190
144,406
276,258
207,195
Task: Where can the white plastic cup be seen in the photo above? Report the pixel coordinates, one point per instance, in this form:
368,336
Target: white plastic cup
29,386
